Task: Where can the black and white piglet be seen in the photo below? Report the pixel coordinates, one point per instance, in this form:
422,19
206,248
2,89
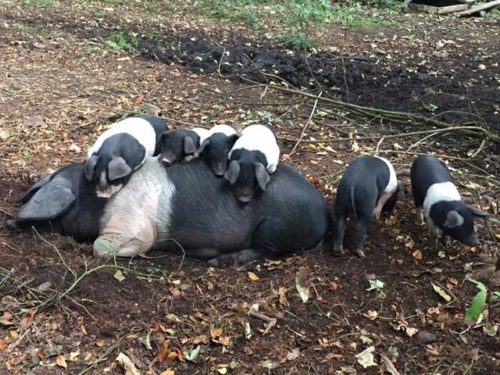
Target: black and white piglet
437,198
215,146
254,156
179,144
368,187
120,150
64,202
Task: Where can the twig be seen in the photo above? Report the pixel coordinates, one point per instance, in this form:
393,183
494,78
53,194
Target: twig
271,322
306,125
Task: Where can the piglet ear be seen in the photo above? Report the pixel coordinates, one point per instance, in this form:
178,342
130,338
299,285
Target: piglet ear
262,175
478,212
160,140
202,147
90,166
26,197
453,219
118,168
189,146
232,172
231,140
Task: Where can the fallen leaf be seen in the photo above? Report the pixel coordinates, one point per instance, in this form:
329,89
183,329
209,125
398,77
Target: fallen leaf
172,318
270,365
224,340
127,365
301,285
61,362
193,354
417,254
168,372
252,276
119,276
333,285
375,284
294,354
366,357
3,344
441,292
371,314
215,332
282,297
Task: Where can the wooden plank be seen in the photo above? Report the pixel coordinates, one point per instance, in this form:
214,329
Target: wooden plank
438,10
478,8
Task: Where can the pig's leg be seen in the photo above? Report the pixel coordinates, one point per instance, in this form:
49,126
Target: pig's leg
338,235
446,240
420,216
236,258
377,211
361,228
435,233
125,236
206,253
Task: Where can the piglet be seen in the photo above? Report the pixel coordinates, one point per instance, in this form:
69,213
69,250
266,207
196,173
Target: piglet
437,198
179,145
252,159
215,146
120,150
368,187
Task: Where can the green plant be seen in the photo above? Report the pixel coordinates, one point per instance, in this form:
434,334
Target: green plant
123,41
475,311
37,3
298,41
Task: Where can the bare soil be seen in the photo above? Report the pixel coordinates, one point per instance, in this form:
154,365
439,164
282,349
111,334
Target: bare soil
62,84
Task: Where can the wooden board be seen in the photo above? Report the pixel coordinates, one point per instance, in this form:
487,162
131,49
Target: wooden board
439,10
479,8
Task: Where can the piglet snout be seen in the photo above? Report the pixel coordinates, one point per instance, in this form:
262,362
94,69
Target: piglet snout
106,194
164,160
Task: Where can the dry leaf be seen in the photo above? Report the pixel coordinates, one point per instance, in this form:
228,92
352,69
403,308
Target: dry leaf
61,362
3,344
215,332
127,365
441,292
417,254
168,372
252,276
282,297
333,285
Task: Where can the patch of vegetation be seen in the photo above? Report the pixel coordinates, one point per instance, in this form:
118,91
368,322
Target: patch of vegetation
37,3
123,41
294,18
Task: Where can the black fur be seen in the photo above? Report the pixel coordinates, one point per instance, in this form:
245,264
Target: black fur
359,190
174,146
425,171
289,216
215,150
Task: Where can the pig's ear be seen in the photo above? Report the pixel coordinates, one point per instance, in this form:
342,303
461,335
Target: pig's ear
90,166
231,140
453,219
52,200
262,175
202,147
478,212
232,172
189,146
27,196
118,168
159,142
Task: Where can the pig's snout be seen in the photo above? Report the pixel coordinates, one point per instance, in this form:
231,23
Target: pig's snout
165,160
219,169
106,194
244,198
11,225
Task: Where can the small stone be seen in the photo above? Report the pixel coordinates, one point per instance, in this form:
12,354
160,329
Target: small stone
425,337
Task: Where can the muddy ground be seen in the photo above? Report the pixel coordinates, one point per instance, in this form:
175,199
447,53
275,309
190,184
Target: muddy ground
63,83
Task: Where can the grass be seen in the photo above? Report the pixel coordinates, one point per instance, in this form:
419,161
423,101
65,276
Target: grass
294,19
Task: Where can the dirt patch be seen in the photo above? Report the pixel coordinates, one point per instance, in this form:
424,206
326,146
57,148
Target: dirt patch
58,301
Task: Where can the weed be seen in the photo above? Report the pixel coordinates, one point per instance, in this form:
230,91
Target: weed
475,312
37,3
298,41
123,41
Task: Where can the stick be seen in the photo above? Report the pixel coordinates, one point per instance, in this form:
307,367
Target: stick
271,322
306,125
478,8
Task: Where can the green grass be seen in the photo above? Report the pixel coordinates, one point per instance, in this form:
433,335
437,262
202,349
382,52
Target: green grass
36,3
292,20
123,41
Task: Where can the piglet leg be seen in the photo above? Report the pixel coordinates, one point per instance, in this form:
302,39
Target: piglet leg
338,235
236,258
420,216
361,228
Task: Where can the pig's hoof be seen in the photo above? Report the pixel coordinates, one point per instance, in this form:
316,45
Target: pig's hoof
214,262
11,225
360,253
105,249
338,252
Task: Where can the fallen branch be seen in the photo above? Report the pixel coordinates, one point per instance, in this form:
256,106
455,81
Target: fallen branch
306,125
478,8
271,322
